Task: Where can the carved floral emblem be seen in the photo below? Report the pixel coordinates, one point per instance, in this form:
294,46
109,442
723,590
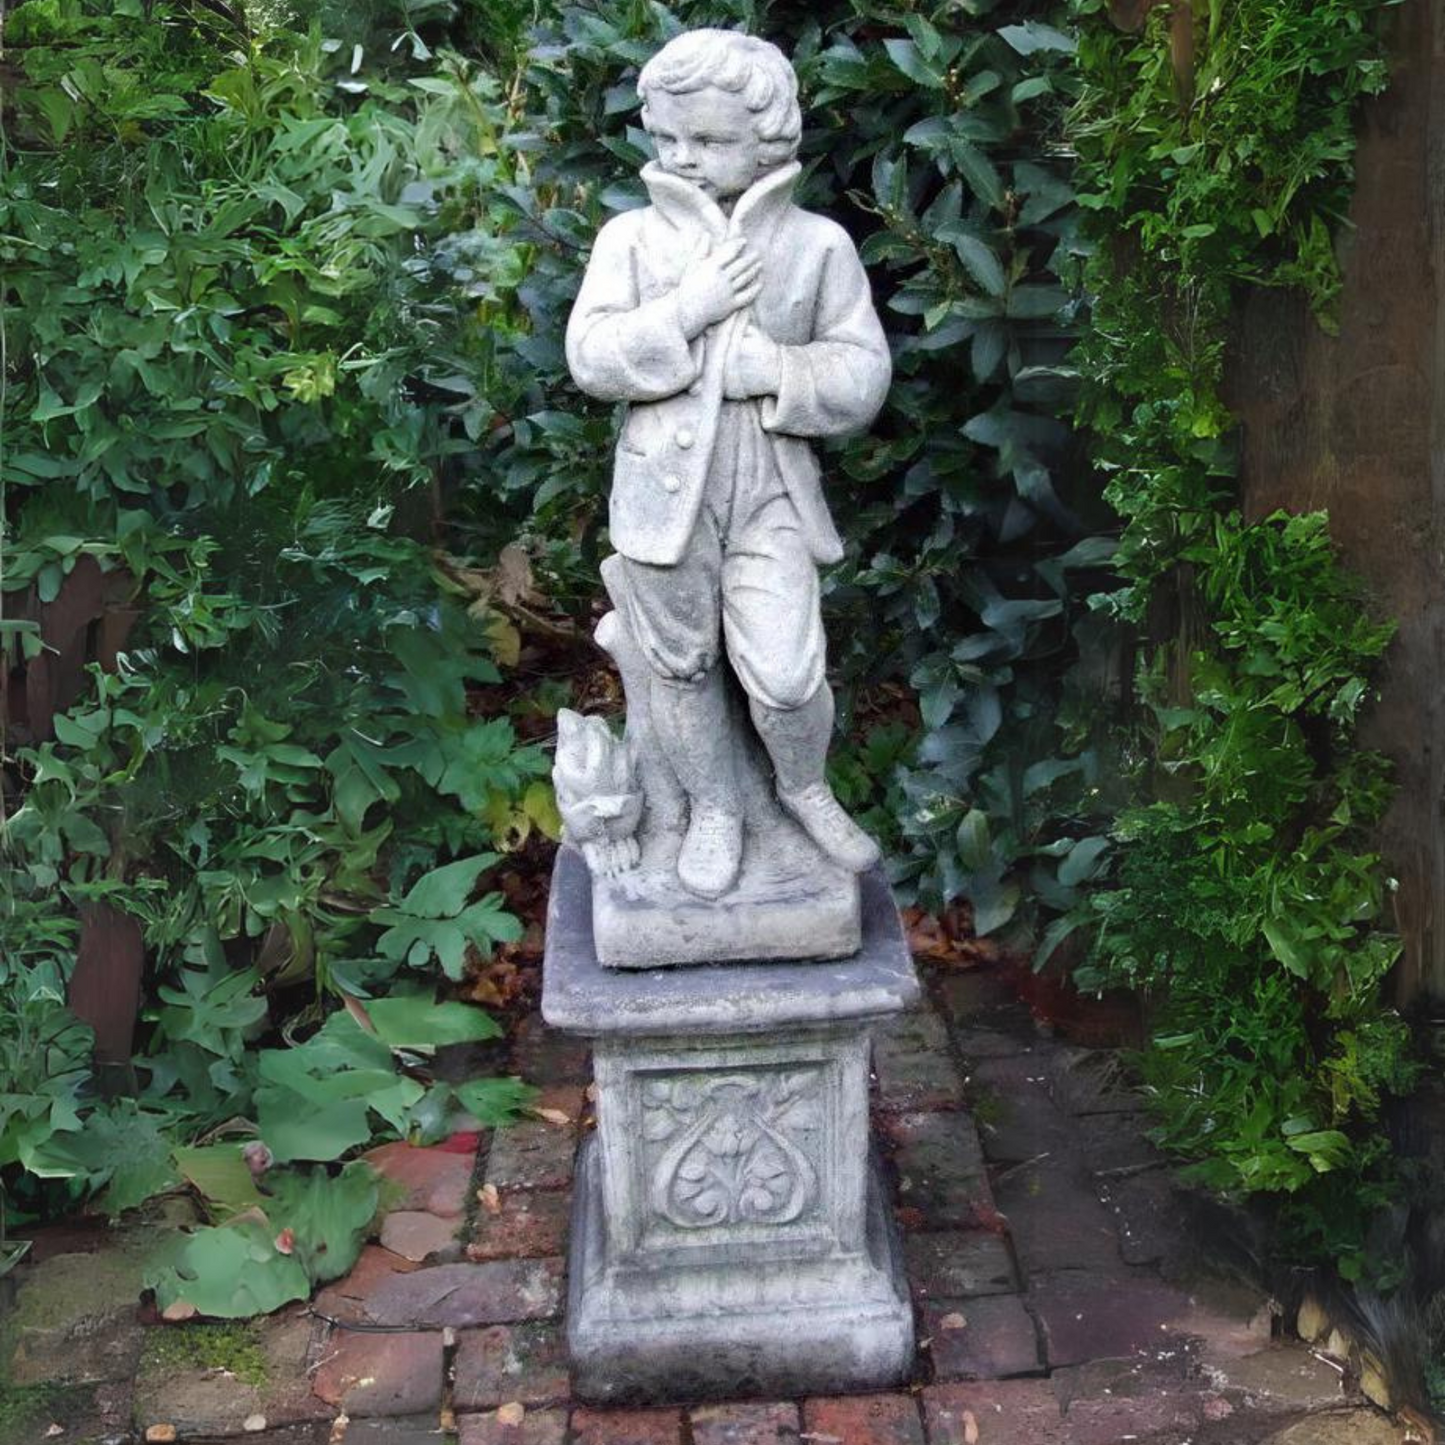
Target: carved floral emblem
729,1157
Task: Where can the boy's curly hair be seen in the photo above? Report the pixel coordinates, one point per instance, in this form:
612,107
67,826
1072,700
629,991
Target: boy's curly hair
743,64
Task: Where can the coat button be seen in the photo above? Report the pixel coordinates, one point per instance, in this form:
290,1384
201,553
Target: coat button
684,437
671,483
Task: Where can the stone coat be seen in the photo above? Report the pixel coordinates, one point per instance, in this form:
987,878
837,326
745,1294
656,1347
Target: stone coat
625,343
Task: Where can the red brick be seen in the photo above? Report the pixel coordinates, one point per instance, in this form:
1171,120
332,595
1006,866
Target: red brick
416,1236
531,1223
538,1427
626,1427
459,1295
863,1420
344,1298
959,1264
745,1424
522,1363
982,1339
1103,1316
531,1155
1008,1412
941,1172
371,1374
434,1181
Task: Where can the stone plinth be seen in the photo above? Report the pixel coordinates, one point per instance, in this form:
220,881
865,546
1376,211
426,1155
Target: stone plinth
729,1235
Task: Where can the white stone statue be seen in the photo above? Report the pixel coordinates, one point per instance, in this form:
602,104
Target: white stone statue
735,327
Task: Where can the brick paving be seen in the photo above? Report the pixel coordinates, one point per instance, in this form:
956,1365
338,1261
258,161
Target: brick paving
1054,1279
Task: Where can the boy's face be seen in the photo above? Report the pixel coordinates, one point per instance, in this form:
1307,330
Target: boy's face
708,137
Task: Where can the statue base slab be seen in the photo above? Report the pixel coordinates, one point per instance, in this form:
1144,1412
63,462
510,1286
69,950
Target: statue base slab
790,902
729,1234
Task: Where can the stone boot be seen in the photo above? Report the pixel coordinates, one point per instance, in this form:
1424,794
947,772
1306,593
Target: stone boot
822,818
712,851
797,742
692,725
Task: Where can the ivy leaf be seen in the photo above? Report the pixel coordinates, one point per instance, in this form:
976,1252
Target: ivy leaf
417,1021
1033,36
328,1215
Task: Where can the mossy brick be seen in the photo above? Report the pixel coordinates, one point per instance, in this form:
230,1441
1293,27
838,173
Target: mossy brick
462,1295
208,1378
75,1320
941,1171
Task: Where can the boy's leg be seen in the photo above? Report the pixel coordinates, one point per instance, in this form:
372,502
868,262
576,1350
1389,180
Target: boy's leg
673,614
772,618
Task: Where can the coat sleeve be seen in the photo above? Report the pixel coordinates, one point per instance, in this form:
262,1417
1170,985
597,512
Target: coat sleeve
620,348
835,384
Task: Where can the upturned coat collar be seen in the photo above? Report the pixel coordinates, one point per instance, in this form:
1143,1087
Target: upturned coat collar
756,215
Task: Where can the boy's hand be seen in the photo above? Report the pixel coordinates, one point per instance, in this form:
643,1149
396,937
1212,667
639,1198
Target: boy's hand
755,366
715,287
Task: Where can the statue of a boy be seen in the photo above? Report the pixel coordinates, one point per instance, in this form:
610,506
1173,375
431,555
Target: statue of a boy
735,326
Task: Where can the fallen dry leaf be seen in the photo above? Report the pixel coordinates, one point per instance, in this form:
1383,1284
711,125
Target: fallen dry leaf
590,1093
490,1200
254,1424
53,1431
552,1116
953,1321
160,1434
970,1428
447,1420
178,1310
511,1414
338,1428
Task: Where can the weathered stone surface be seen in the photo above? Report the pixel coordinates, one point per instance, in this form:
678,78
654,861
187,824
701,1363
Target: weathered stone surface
941,1172
579,995
1004,1412
528,1224
750,1423
913,1063
1284,1377
526,1363
434,1181
417,1236
345,1299
1102,1316
1107,1422
533,1154
1351,1427
538,1427
789,902
980,996
863,1420
693,1327
1054,1221
1226,1319
74,1320
183,1382
959,1264
626,1427
988,1338
381,1374
413,1430
1018,1119
459,1295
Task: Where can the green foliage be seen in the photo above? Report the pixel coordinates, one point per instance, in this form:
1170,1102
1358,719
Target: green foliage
1244,888
232,375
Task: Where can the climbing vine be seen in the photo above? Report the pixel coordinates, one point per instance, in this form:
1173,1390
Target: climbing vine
1244,890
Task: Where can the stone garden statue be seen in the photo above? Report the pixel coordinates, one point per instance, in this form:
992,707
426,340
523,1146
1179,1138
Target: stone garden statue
735,327
729,1233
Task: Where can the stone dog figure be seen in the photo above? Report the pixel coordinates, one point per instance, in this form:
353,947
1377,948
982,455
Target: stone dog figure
735,326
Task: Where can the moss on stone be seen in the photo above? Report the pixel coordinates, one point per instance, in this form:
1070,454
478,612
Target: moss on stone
232,1345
